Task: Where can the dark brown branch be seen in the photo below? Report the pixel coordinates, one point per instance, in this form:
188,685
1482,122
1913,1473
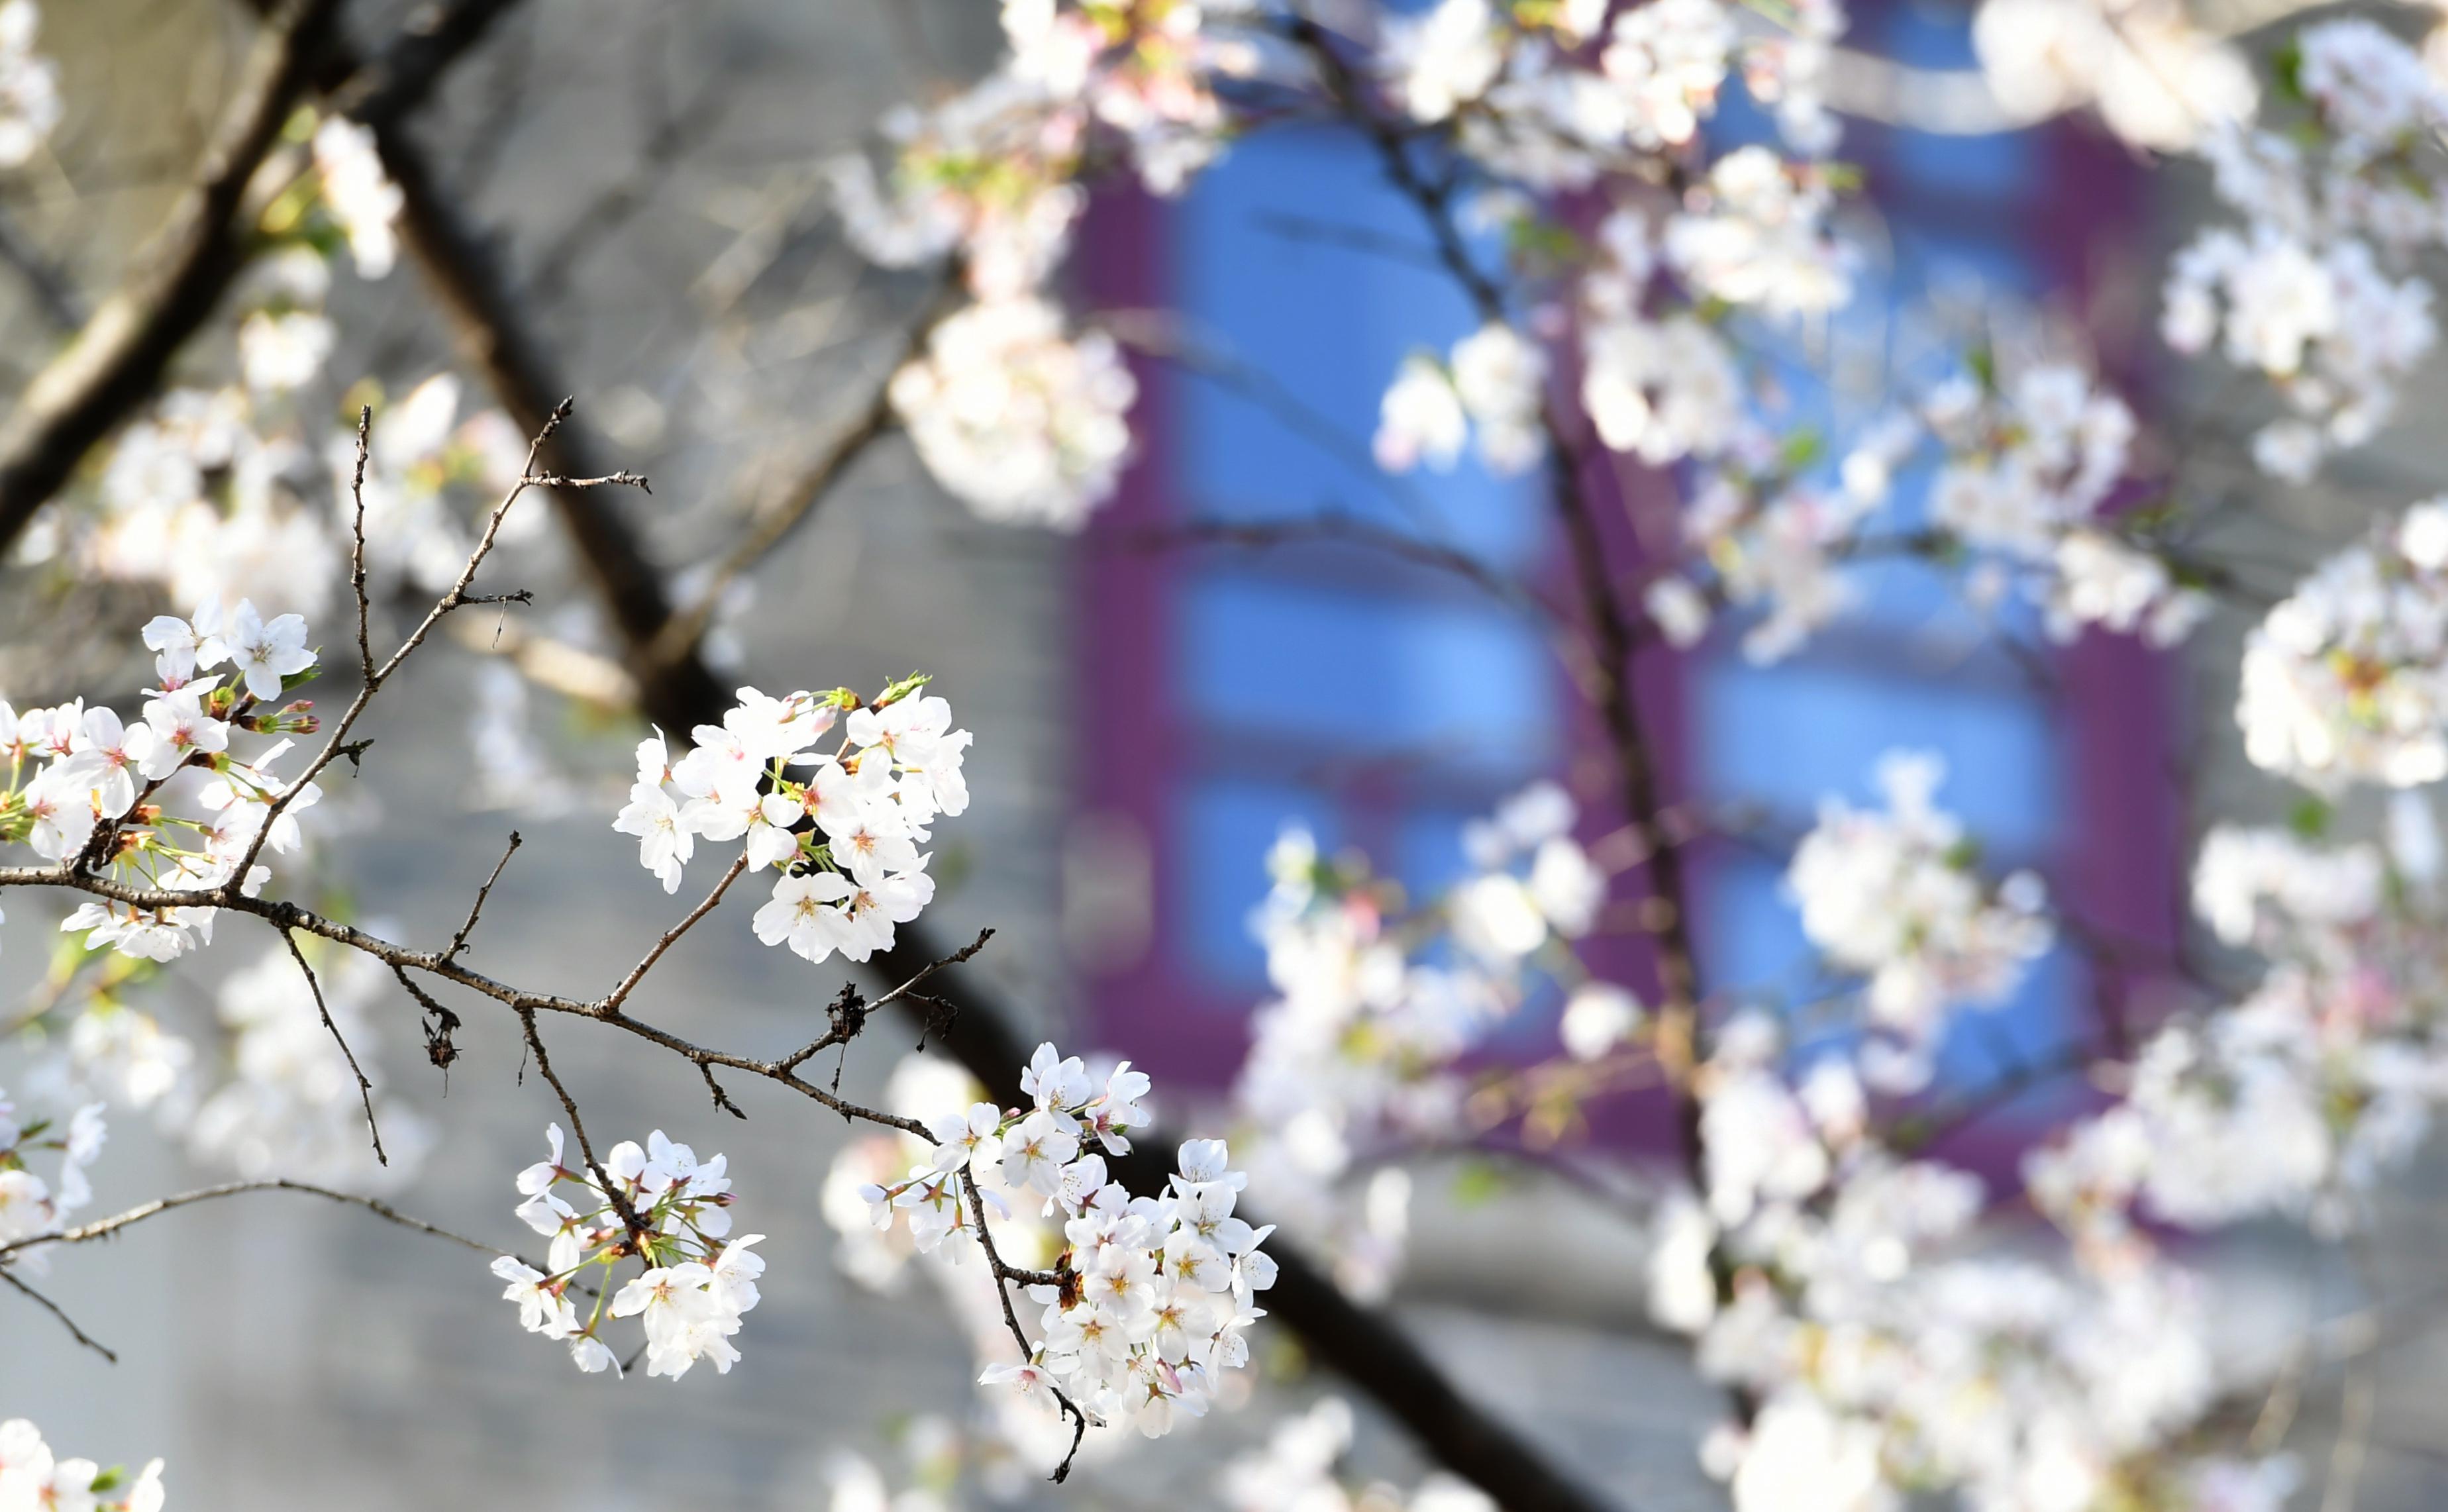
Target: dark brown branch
603,1182
671,936
365,1088
1004,1277
357,546
116,359
1610,625
458,264
104,1227
476,910
58,1312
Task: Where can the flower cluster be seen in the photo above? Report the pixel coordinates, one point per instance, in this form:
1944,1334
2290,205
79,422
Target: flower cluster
2158,80
73,772
2312,290
659,1206
1026,424
1772,539
1010,413
1551,96
30,1206
1145,1304
2297,1098
1496,381
2029,463
845,835
1896,897
33,1479
358,194
1753,233
1885,1353
1358,1049
2346,679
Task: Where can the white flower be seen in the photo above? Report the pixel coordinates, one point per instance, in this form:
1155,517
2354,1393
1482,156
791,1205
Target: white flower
664,845
1421,419
1500,379
1894,896
1598,1018
1025,424
2346,679
360,196
262,653
803,912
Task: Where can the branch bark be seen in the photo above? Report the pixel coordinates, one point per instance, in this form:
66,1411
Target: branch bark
117,360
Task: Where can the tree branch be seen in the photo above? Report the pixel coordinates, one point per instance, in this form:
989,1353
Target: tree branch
104,1227
115,362
58,1312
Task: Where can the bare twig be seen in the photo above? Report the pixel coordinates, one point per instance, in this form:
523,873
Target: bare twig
104,1227
459,941
357,546
56,1311
671,936
850,1012
611,1189
455,598
365,1088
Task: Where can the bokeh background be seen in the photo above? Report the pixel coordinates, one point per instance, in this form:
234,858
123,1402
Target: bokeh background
1148,709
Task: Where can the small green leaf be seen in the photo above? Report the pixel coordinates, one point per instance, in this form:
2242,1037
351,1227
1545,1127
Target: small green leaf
2310,819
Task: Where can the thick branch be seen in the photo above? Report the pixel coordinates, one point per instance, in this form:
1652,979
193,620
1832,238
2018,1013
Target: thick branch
115,362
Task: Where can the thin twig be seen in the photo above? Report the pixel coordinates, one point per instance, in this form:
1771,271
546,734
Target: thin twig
848,1011
671,936
56,1311
104,1227
611,1189
357,546
365,1088
459,941
1004,1276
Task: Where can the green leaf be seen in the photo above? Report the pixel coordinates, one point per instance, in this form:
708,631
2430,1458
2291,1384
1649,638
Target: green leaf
2310,819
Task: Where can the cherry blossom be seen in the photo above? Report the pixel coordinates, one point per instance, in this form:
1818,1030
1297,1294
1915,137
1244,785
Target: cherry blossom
1895,897
845,834
660,1206
2343,681
33,1478
1020,420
